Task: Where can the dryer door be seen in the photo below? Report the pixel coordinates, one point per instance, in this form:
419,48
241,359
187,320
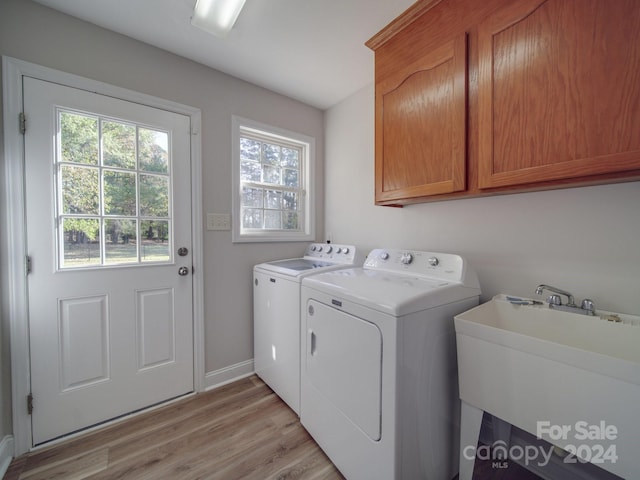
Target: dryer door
344,364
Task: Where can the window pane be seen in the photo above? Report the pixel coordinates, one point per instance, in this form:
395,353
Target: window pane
251,218
271,175
120,241
117,170
154,195
271,154
81,242
252,197
118,145
153,150
273,199
78,138
154,246
290,177
290,201
290,158
119,193
273,202
250,171
80,190
290,220
249,149
273,219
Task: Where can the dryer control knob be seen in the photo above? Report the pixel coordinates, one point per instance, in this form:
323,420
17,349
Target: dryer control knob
433,261
406,258
345,250
329,249
384,256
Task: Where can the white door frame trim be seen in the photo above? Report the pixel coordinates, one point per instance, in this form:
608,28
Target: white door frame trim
15,301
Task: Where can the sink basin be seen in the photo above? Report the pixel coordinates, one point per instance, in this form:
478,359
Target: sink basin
561,376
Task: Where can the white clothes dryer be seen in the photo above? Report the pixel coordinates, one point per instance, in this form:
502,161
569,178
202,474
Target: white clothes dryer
276,314
379,385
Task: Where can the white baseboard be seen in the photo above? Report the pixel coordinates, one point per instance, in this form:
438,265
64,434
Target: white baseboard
6,454
229,374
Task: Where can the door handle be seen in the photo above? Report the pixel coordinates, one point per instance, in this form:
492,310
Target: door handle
183,271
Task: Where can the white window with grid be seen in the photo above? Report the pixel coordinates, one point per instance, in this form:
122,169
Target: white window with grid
273,197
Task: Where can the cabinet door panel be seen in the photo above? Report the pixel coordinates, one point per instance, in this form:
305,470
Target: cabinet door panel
559,91
421,126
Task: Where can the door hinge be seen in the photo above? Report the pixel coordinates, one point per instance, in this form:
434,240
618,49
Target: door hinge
27,264
30,403
22,123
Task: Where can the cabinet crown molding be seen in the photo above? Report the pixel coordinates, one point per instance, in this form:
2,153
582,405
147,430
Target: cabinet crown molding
412,13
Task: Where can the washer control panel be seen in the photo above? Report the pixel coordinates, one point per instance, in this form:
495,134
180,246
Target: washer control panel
333,252
446,266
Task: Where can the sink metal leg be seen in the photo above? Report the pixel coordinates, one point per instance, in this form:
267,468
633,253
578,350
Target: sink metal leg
501,433
470,424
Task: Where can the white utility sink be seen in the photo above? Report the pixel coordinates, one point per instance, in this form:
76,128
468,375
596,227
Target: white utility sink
571,379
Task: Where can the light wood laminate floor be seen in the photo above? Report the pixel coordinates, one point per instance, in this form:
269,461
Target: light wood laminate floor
239,431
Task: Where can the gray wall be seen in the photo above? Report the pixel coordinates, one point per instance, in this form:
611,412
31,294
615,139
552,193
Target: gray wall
585,240
36,34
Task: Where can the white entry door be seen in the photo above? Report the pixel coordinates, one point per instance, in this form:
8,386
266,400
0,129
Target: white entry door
108,215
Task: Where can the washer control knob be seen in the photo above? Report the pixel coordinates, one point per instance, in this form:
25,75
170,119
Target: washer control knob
433,261
320,248
329,249
384,256
406,258
345,250
313,248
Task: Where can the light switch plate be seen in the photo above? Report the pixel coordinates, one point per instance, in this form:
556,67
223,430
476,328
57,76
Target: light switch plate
218,221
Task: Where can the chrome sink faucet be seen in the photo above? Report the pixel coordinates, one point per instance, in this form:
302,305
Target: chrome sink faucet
555,302
554,299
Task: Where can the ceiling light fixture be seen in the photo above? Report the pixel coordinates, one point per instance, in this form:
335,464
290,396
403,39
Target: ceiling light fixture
216,16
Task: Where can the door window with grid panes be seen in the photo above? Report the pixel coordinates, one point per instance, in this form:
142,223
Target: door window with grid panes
272,183
113,198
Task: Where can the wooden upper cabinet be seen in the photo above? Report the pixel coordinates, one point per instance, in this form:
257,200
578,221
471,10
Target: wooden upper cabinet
558,91
421,126
480,97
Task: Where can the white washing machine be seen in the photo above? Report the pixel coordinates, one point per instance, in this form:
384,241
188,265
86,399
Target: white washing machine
276,314
379,384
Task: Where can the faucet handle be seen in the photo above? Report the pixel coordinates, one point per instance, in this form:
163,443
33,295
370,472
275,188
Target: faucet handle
588,305
554,300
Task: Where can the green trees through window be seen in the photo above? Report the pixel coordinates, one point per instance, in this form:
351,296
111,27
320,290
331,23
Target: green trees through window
113,186
270,172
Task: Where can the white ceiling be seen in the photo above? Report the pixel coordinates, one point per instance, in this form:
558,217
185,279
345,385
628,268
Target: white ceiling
310,50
